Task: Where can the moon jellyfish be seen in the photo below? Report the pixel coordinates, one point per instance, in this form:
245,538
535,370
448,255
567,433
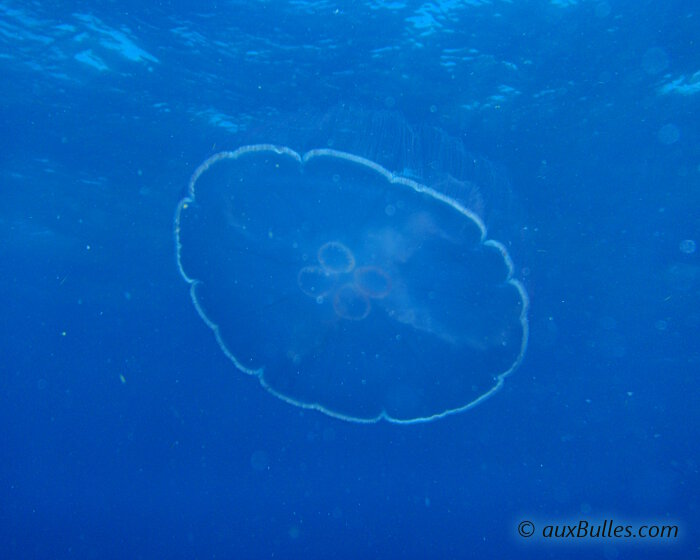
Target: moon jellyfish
347,289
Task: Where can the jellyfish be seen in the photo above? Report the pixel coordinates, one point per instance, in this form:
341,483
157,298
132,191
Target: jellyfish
345,288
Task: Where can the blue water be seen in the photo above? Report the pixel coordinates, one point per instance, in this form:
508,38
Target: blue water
127,433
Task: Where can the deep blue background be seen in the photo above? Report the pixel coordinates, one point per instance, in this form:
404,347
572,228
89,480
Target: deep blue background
125,433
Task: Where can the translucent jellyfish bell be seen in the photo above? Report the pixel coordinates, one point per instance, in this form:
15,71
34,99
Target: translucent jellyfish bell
346,289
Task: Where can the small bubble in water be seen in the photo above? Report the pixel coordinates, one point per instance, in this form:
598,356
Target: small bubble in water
687,246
